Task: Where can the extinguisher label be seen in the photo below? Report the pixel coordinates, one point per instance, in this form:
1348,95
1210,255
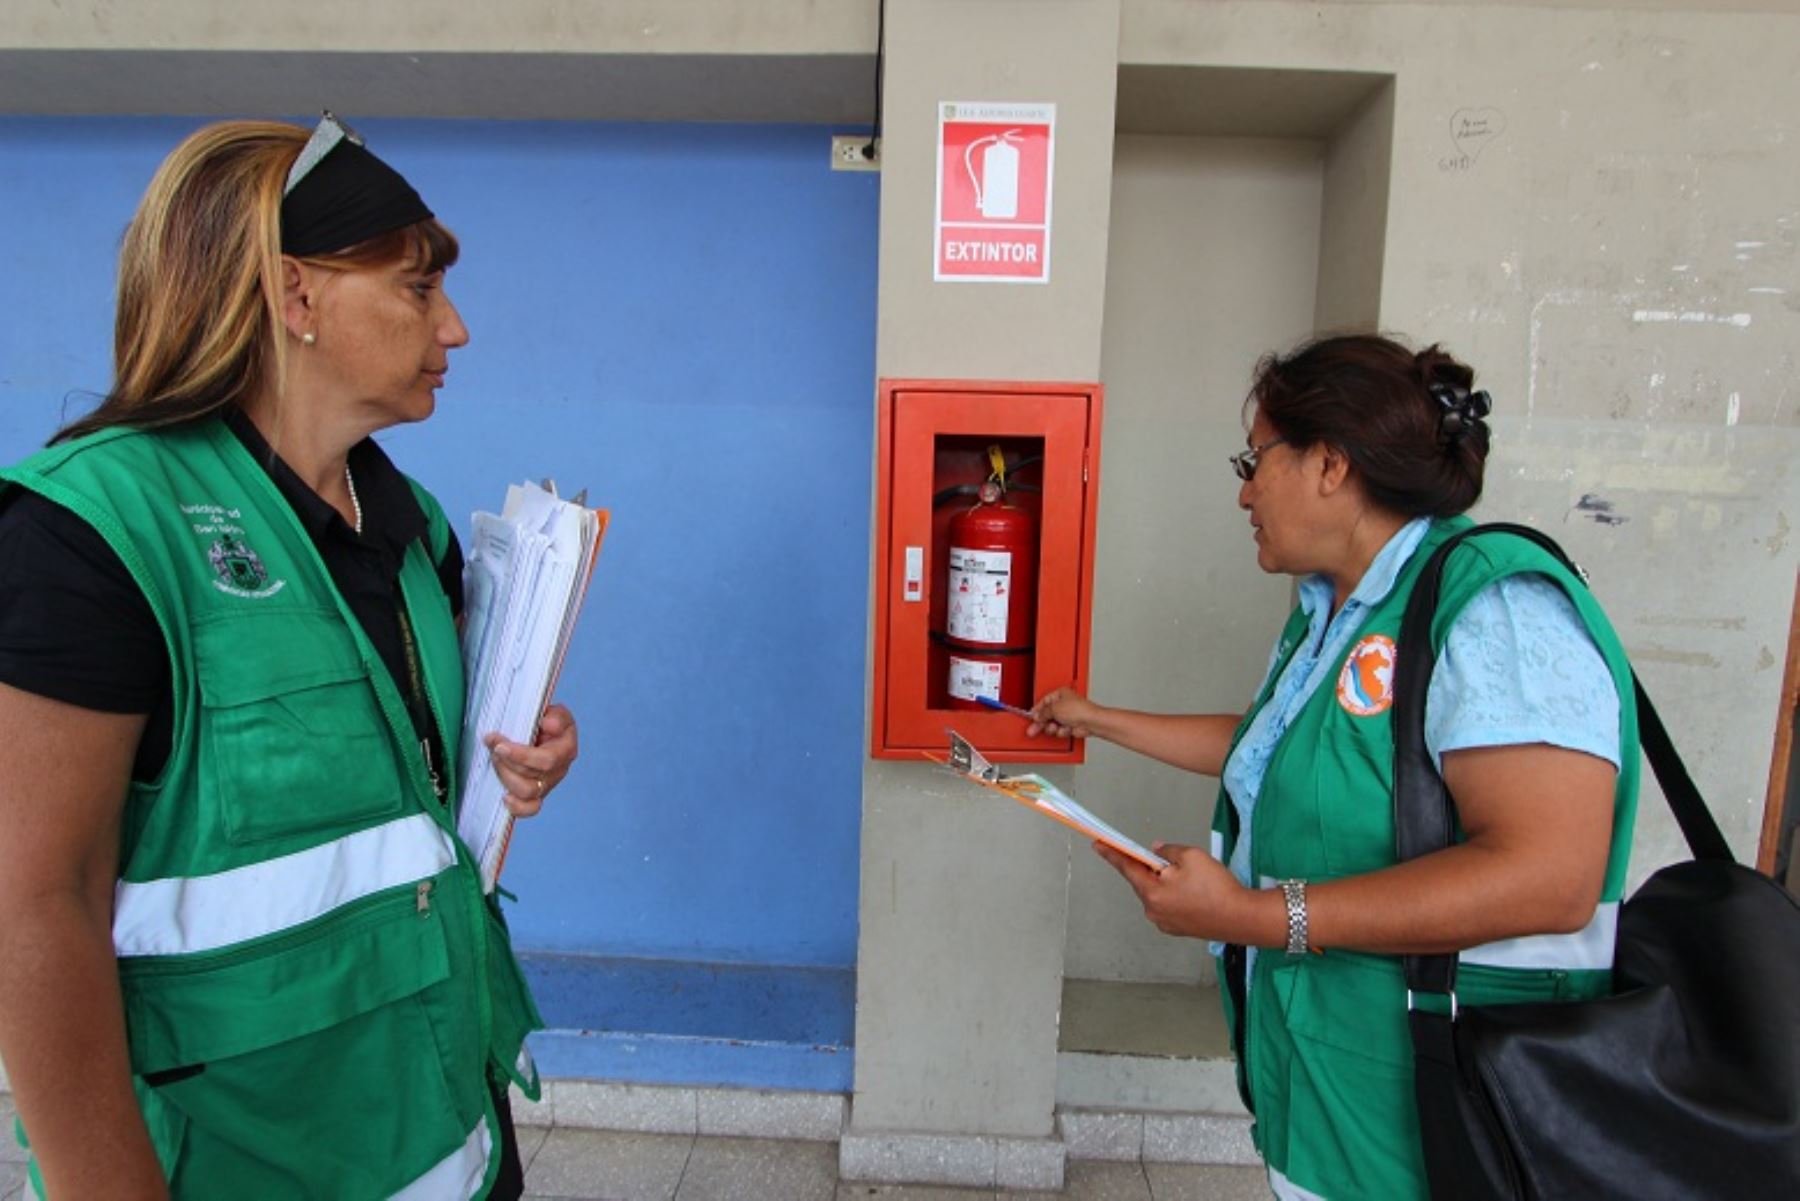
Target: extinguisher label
970,680
980,590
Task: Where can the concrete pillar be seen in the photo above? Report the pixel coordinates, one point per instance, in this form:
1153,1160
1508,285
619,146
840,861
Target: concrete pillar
964,899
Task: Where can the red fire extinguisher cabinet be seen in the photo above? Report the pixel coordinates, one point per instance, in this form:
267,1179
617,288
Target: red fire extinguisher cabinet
937,441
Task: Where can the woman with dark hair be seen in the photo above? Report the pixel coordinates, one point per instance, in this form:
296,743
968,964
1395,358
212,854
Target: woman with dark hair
243,953
1361,458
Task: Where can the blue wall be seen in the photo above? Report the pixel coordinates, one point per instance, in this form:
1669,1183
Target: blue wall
682,319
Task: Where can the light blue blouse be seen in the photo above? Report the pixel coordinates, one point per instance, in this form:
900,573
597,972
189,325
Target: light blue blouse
1517,666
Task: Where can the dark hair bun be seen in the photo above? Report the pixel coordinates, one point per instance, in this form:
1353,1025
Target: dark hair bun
1435,367
1409,422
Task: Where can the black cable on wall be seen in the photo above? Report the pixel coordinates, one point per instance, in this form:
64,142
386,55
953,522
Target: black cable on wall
868,151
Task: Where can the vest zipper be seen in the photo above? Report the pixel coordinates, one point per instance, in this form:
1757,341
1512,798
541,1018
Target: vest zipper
419,702
437,781
1237,958
368,911
418,672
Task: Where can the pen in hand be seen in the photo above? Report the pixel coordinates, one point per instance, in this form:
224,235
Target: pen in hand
991,703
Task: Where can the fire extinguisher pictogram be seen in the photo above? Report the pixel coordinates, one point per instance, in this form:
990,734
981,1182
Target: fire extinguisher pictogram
997,183
991,614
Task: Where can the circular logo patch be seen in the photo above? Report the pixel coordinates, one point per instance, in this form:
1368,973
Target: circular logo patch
1366,685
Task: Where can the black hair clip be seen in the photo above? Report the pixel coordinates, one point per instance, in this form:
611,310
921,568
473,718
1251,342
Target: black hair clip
1463,410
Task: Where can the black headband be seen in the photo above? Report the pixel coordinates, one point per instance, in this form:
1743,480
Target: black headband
339,194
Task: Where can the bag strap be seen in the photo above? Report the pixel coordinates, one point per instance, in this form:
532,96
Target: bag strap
1424,816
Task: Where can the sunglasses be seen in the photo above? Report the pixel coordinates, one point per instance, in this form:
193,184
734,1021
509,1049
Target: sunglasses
1244,461
325,138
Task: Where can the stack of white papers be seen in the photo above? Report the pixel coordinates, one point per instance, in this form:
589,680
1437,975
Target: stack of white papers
526,575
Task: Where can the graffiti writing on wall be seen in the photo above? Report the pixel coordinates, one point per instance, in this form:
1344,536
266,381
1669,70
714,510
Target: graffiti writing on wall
1472,130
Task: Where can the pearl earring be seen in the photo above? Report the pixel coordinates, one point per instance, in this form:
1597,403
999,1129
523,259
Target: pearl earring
307,338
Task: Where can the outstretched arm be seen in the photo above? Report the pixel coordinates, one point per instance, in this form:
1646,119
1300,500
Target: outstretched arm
1193,742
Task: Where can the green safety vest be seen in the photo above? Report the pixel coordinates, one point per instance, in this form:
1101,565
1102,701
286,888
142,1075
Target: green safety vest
1324,1056
316,991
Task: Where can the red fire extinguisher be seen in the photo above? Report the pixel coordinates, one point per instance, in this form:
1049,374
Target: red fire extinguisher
991,618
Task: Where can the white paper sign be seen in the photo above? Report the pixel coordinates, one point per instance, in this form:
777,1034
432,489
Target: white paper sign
980,589
969,680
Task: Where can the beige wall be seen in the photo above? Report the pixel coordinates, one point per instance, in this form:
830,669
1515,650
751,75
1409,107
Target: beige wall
1622,264
1005,50
1619,262
1213,258
613,27
643,60
1359,162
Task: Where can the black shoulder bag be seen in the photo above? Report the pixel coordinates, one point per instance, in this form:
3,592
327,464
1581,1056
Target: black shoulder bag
1684,1083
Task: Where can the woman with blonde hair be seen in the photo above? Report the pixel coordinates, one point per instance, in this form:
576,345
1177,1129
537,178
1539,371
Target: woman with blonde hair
243,952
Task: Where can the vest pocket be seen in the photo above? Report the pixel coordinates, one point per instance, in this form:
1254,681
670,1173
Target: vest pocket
292,738
186,1011
324,1075
1351,1125
1352,796
1353,1003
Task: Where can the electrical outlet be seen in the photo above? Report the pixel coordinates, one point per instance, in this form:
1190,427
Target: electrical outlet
847,153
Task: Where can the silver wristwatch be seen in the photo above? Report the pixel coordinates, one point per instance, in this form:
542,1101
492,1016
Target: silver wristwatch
1294,891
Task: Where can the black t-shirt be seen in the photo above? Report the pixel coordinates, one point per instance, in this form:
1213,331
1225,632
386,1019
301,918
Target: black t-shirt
75,627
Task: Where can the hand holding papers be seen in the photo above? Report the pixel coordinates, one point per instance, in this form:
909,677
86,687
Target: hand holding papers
1040,794
527,574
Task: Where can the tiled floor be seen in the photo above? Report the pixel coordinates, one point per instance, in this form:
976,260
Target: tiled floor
592,1165
580,1165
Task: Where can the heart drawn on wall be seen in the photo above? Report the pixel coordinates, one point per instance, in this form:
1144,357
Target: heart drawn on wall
1473,129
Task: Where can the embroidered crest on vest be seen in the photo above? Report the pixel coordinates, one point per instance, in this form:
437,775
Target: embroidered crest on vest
240,570
1365,686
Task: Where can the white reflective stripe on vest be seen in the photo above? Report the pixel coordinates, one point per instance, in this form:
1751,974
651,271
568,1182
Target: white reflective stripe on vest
456,1177
1589,948
1287,1190
1217,846
182,915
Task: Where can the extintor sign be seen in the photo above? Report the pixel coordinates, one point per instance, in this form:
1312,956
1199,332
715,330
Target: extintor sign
993,192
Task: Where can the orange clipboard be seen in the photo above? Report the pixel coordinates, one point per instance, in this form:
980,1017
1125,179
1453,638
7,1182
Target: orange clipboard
1041,796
